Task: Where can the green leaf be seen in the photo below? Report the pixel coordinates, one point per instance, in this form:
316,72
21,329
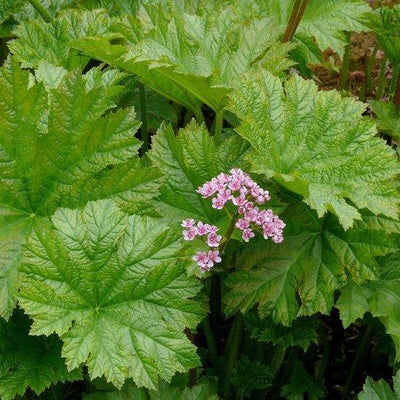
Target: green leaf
28,361
387,118
302,383
318,145
38,41
299,276
8,8
189,160
380,390
323,22
302,332
250,375
380,297
61,148
385,23
188,58
202,391
115,289
159,108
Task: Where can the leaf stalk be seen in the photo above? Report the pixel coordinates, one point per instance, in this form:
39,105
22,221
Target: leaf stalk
41,10
144,129
299,6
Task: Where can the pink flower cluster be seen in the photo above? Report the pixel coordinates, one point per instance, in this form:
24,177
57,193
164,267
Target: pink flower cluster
205,260
239,189
243,192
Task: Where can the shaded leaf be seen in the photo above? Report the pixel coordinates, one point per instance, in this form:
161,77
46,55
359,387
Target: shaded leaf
380,297
380,390
29,361
188,58
189,160
299,276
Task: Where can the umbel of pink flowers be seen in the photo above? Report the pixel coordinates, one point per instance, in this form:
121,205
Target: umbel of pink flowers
239,189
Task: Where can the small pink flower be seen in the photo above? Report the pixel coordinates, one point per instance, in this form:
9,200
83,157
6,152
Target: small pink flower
190,234
247,234
243,192
242,224
201,256
277,238
240,200
252,214
202,260
213,255
249,205
202,229
218,202
213,239
212,228
235,184
187,223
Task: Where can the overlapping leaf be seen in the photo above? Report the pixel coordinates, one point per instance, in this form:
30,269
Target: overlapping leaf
318,145
302,383
323,22
38,41
60,148
188,58
189,160
202,391
299,276
380,390
387,118
115,288
28,361
302,332
380,297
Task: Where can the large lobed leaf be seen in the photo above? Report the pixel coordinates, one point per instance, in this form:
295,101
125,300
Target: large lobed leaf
380,390
318,145
189,159
380,297
299,276
115,289
60,148
188,58
324,21
202,391
28,361
38,41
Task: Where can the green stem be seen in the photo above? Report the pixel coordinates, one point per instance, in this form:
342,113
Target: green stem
219,121
393,82
232,350
228,234
144,129
396,95
344,72
360,353
199,115
382,79
299,16
41,10
216,307
287,36
285,370
368,77
277,359
210,339
325,357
